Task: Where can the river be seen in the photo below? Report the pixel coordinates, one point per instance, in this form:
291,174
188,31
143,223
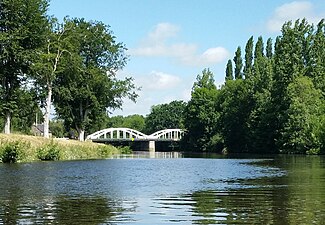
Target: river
166,188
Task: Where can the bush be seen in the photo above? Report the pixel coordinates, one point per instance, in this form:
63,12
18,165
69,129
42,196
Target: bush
49,152
12,152
125,149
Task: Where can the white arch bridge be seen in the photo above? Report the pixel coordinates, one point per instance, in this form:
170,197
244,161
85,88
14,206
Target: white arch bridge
110,135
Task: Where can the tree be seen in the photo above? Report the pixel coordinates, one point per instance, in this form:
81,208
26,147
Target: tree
201,115
46,65
23,120
316,60
259,48
23,25
165,116
235,102
238,64
269,48
248,58
136,122
229,71
86,86
57,128
299,134
289,63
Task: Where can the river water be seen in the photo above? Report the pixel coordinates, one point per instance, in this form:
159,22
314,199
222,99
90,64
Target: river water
165,188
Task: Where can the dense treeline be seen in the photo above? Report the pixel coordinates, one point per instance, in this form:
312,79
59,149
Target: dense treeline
272,100
163,116
71,65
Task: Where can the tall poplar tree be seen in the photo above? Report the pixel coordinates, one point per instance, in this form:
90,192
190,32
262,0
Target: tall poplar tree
23,24
259,48
238,64
316,62
269,48
249,57
229,71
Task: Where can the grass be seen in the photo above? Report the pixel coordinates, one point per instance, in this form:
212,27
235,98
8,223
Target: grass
25,148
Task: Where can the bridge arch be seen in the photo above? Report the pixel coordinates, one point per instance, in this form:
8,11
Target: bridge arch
174,134
127,133
117,133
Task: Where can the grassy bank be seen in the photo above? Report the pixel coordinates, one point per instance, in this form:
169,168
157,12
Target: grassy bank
24,148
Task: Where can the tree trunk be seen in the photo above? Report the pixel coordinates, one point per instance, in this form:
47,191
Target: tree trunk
81,133
47,112
7,123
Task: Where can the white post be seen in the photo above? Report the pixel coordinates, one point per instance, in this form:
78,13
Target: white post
7,123
152,146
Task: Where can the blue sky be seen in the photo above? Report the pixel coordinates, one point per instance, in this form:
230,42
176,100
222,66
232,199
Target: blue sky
171,41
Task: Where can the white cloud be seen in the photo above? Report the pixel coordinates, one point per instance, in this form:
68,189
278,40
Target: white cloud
161,33
292,11
158,43
210,56
159,81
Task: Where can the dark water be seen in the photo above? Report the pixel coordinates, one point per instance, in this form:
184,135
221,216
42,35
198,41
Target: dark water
170,190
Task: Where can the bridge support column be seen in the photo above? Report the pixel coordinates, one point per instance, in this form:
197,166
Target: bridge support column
152,146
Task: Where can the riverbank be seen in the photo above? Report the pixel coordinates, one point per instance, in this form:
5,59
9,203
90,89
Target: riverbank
25,148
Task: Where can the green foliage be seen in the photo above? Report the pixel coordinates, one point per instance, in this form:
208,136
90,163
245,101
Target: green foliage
104,151
25,148
165,116
57,128
278,106
24,118
201,115
316,59
22,25
136,122
86,85
235,104
259,48
12,152
248,57
269,48
229,71
125,150
49,152
298,134
238,64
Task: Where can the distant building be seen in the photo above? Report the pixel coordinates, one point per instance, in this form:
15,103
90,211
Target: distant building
38,130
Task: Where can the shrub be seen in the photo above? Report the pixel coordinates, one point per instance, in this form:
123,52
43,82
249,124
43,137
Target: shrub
125,149
12,152
49,152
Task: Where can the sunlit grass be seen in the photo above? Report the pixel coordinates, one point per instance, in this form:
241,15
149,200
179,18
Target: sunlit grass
68,149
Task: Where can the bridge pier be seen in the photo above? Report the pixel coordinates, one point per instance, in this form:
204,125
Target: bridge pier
152,146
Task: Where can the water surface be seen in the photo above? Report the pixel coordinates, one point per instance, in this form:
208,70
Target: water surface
165,188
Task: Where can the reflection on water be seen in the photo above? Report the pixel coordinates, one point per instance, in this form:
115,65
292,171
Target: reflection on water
62,210
149,154
172,190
